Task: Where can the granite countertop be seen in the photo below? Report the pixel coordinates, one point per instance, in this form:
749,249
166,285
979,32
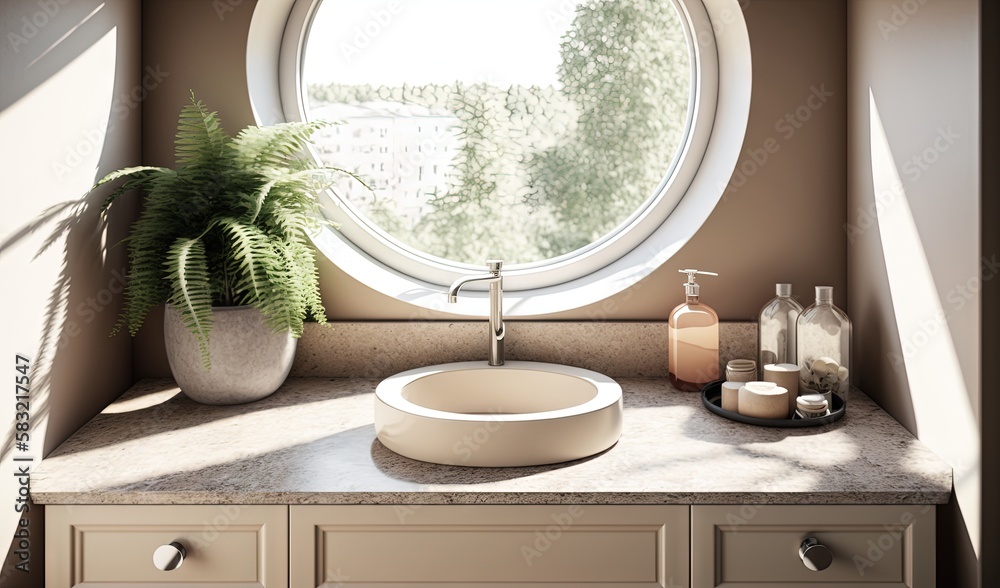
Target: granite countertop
313,442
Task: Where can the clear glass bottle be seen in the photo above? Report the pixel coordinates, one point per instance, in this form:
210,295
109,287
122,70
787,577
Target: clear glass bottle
823,342
693,330
776,329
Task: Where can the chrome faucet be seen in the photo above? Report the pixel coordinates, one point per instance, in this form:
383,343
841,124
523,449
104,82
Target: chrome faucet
495,280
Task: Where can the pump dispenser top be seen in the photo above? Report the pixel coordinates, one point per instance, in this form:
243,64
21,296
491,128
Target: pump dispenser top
691,287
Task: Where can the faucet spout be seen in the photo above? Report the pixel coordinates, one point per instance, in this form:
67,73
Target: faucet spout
497,330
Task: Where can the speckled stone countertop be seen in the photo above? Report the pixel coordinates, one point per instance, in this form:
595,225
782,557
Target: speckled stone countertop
313,442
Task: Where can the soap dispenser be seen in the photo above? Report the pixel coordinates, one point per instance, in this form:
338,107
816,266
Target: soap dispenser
693,331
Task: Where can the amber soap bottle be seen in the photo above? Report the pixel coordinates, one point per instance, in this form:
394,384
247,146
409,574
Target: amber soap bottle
693,347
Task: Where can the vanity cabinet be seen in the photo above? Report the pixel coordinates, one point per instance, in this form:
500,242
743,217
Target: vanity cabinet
228,546
539,546
557,546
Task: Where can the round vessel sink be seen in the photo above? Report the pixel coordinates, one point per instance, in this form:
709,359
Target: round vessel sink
519,414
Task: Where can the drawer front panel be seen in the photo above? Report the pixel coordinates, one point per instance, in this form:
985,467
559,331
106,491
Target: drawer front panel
225,545
756,546
761,554
471,545
124,554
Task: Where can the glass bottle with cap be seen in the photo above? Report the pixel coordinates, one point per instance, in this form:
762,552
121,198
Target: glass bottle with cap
776,329
823,343
693,339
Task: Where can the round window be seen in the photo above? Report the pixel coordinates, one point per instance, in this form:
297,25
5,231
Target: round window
565,137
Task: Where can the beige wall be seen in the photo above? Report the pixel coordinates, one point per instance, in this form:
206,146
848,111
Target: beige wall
798,45
66,118
914,259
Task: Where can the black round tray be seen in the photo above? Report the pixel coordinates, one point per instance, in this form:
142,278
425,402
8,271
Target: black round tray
711,396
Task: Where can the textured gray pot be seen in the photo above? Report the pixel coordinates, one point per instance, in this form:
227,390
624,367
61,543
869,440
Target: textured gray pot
249,360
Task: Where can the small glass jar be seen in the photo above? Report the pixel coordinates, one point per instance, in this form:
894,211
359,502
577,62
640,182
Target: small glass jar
741,370
823,335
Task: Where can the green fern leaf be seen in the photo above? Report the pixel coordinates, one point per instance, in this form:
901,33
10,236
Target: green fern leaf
139,176
252,256
200,142
191,293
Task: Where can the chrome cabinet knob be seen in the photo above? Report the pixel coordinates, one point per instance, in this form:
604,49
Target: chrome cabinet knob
816,556
168,558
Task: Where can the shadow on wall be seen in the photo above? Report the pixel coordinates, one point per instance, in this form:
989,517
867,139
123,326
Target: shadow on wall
71,94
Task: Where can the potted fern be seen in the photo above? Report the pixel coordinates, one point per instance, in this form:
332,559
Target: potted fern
223,242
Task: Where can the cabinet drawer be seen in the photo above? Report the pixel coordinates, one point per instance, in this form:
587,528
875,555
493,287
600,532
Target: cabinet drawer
556,546
742,546
225,545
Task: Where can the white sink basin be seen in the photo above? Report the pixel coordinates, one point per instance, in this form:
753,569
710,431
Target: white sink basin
518,414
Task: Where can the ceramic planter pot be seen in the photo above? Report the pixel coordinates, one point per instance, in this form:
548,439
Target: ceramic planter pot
249,360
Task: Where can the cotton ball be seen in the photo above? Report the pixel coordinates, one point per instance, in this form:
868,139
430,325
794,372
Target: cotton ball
818,367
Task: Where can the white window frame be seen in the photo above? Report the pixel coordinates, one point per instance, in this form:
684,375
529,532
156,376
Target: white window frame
719,111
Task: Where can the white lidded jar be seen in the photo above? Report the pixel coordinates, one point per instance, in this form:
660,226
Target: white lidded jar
823,341
776,329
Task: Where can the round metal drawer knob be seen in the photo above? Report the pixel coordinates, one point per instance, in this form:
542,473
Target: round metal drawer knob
168,558
816,556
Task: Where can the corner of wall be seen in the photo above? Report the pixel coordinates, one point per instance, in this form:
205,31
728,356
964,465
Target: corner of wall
68,114
918,285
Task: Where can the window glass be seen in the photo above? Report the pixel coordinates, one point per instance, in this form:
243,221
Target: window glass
516,129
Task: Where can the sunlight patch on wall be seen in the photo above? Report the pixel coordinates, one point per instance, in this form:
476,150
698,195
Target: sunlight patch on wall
945,419
44,120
